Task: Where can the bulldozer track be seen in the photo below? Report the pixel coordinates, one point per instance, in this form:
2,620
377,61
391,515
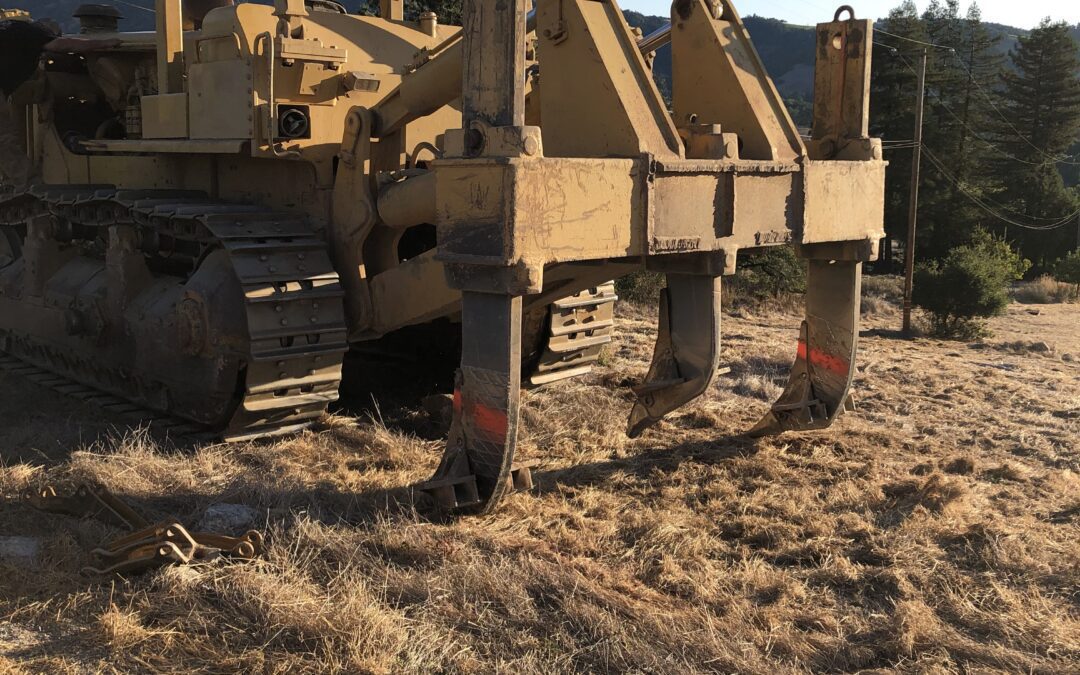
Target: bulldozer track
578,327
291,301
120,408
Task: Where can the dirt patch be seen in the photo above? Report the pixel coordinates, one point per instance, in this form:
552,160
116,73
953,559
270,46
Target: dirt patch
935,528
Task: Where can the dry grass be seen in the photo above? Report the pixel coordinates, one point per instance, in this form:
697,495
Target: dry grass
937,529
882,295
1046,290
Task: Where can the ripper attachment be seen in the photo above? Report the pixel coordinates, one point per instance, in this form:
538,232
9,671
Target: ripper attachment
687,353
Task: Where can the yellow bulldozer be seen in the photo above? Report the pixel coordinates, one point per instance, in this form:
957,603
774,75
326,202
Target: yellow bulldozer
223,212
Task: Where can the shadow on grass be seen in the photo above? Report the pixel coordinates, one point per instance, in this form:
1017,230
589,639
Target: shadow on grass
663,459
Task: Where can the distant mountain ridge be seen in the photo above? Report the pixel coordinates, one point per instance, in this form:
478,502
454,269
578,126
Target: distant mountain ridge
787,50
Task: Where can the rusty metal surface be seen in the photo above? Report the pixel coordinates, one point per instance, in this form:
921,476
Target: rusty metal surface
146,546
86,500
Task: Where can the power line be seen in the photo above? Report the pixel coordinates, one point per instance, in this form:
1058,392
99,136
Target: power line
918,42
987,200
990,211
967,126
971,76
981,203
895,52
985,204
132,4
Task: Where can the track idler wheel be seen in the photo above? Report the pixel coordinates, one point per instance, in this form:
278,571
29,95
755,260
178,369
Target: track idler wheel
817,390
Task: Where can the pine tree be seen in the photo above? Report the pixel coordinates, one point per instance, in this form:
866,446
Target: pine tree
981,63
962,62
449,11
1040,101
955,112
892,115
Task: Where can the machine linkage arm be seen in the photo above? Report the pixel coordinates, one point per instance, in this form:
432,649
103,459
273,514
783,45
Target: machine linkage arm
436,80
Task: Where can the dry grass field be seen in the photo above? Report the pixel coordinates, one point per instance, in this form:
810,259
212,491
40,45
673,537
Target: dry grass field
937,529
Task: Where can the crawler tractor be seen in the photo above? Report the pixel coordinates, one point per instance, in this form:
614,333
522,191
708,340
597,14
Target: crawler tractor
223,212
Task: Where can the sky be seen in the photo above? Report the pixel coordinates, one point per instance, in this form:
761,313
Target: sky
1025,14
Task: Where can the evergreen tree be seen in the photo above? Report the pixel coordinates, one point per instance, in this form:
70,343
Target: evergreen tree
449,11
892,116
955,111
1040,103
961,65
978,58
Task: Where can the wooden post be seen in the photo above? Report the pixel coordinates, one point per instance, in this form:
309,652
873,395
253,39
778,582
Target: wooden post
913,204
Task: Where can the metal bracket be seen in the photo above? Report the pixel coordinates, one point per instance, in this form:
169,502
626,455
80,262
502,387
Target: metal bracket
86,501
147,545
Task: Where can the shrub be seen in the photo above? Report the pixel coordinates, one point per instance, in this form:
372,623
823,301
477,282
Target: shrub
881,294
776,270
889,287
968,285
1067,270
1011,265
762,276
1045,290
641,288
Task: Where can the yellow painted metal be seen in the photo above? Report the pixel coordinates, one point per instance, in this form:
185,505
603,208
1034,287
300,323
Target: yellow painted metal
409,202
392,10
598,98
718,78
213,115
165,116
845,200
170,146
170,46
842,79
437,161
412,293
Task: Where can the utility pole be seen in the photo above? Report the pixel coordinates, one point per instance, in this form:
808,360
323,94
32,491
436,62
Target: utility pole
913,204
